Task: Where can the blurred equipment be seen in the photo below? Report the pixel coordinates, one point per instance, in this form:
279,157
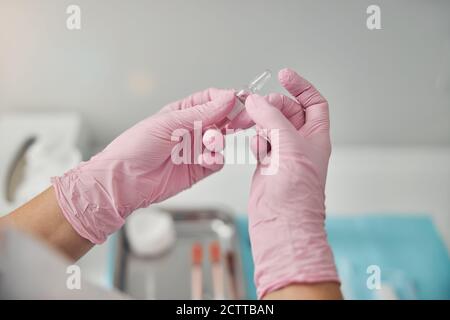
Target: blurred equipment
197,273
183,272
34,147
150,232
31,270
217,270
412,258
231,268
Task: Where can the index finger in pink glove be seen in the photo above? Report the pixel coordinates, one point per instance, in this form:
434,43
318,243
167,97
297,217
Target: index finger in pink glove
290,108
209,113
267,117
315,105
194,99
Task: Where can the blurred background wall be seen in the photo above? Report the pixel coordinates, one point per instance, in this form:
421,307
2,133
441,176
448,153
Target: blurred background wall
389,89
388,86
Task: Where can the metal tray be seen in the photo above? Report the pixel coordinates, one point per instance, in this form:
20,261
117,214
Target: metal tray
169,275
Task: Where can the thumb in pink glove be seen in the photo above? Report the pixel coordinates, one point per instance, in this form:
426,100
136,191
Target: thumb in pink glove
136,169
286,209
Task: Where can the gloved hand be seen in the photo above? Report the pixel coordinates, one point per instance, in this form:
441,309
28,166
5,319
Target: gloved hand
136,169
286,208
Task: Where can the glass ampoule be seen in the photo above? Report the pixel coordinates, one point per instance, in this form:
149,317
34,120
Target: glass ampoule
214,133
253,87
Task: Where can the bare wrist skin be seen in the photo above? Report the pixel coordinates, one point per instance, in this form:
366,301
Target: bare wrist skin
314,291
42,218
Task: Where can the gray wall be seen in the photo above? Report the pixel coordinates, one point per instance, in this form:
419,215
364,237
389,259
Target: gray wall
131,57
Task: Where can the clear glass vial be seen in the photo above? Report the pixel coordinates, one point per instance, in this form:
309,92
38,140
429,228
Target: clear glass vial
253,87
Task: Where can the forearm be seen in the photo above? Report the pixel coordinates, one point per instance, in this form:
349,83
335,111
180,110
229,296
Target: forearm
41,217
314,291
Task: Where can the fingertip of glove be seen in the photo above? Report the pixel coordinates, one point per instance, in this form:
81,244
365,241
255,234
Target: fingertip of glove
286,76
293,82
225,99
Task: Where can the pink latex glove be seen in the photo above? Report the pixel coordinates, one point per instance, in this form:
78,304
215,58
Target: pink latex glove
286,209
136,169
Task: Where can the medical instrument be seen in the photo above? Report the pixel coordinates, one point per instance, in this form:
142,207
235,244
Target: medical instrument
35,146
150,232
172,271
213,138
197,272
230,260
254,86
217,271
